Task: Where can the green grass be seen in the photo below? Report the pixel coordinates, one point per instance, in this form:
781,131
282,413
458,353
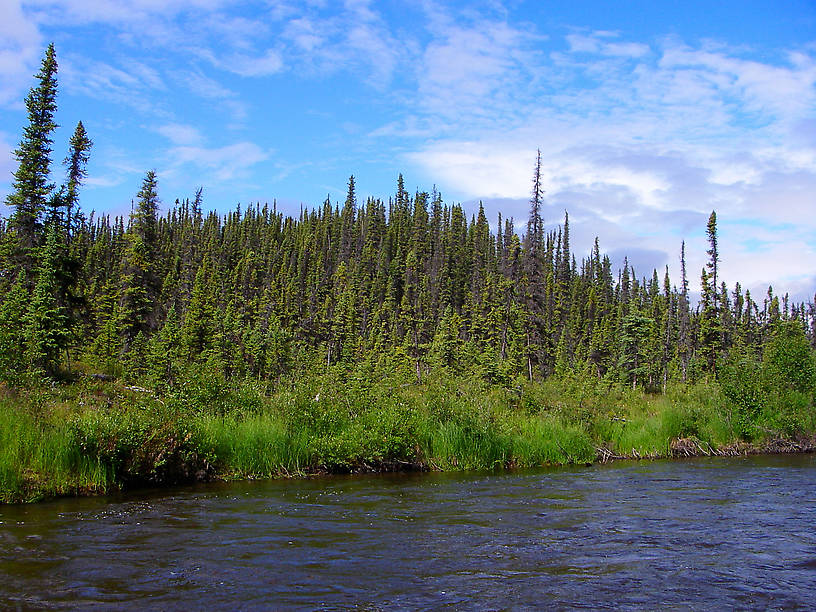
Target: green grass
38,458
92,437
258,446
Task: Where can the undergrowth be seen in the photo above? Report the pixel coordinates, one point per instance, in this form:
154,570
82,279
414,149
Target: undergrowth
91,436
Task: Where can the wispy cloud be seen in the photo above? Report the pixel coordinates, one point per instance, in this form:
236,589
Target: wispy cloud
220,163
118,12
180,134
270,62
134,84
780,91
355,39
113,166
475,73
20,48
604,43
632,135
103,181
204,86
208,88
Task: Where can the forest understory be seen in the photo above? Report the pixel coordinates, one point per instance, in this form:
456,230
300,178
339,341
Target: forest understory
92,437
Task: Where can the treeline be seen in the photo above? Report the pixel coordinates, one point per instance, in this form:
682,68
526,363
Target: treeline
409,284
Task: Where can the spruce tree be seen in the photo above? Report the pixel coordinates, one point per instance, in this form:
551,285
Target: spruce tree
535,223
713,252
709,323
12,331
31,188
684,346
76,161
139,270
46,323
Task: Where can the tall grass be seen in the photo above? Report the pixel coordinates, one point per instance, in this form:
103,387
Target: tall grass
255,446
92,437
38,458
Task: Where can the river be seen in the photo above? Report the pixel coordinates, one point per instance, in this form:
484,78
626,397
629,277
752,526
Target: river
703,533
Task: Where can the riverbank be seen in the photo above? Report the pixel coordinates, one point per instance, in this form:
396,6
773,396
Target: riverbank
96,436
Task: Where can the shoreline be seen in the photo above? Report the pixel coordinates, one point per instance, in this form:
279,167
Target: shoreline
681,449
93,438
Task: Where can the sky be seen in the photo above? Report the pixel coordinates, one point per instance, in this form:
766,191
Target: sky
648,115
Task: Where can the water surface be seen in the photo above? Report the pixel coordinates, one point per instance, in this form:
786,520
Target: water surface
686,534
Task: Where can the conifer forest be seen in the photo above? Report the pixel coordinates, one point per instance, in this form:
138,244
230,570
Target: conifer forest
400,332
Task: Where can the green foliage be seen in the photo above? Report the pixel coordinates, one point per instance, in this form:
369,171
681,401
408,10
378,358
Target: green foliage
550,441
778,393
142,446
789,360
635,330
164,355
94,436
139,278
206,389
12,333
410,285
46,322
31,187
743,382
76,161
38,458
255,446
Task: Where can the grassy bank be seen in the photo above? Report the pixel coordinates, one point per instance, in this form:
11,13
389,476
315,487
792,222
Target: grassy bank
92,436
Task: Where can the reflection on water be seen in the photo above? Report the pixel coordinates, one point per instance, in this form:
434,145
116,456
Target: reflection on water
701,533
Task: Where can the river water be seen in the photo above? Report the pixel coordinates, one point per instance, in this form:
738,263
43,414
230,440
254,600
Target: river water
702,534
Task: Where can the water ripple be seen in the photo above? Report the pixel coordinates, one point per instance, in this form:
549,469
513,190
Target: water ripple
732,533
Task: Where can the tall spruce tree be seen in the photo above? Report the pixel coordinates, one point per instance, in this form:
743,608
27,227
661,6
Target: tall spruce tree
713,252
684,346
31,188
139,271
76,161
535,222
535,279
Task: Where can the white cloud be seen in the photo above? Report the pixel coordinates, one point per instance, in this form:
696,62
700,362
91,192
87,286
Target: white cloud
598,43
180,134
222,163
478,169
355,39
475,72
304,33
208,88
146,74
640,143
197,28
118,12
20,48
248,66
134,84
103,181
779,90
204,86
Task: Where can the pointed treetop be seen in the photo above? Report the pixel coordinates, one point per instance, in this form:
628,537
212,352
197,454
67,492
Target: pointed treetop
713,252
31,187
535,223
76,161
351,196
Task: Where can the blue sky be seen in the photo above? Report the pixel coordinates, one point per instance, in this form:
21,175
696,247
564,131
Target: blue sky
648,115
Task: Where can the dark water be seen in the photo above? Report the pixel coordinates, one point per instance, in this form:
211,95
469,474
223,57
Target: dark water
702,534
